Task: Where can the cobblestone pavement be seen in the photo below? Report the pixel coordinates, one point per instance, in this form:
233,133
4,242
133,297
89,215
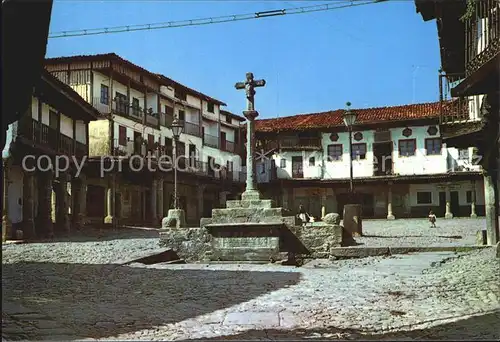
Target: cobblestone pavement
417,232
431,294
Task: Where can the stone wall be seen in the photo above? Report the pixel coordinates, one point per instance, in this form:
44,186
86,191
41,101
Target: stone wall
315,241
190,244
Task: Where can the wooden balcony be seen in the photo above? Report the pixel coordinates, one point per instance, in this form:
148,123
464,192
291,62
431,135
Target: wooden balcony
47,137
453,110
152,119
191,129
482,34
300,143
102,105
166,119
211,140
228,146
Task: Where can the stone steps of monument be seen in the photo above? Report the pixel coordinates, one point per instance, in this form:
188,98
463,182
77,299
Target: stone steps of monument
263,204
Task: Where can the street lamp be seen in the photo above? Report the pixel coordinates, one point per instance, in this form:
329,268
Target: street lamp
177,128
349,118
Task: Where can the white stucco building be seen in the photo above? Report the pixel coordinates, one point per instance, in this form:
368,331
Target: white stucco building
138,107
401,168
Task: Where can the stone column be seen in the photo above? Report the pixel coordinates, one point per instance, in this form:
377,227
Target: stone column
390,215
159,196
251,192
6,223
448,214
82,203
62,201
323,204
110,201
28,204
45,222
473,202
490,192
153,200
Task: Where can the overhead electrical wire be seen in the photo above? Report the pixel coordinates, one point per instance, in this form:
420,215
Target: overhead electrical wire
213,20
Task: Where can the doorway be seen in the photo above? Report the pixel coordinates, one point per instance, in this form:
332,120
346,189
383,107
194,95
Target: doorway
442,204
382,153
297,167
223,141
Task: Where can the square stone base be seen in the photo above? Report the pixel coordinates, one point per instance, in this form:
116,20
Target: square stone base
175,218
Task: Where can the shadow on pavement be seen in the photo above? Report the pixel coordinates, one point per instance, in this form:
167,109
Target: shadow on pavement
91,234
101,301
483,327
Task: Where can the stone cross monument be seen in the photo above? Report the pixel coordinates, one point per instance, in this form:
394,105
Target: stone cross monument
251,192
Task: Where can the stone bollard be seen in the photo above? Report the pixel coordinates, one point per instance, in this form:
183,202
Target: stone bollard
481,238
352,219
498,250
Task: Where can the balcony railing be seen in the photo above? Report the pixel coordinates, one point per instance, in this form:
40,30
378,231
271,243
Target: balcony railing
211,140
228,146
102,105
66,145
152,119
482,34
166,119
191,128
300,143
453,110
49,137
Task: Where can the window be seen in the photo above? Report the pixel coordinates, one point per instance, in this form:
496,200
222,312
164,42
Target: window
182,115
463,154
151,141
210,107
53,119
104,94
334,152
121,103
407,147
283,163
135,106
122,135
312,162
169,110
181,95
433,146
359,151
424,198
468,196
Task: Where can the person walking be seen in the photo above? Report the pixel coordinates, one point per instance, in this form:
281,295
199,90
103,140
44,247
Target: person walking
432,219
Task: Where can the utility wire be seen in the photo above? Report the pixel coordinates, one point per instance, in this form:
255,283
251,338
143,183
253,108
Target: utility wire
214,20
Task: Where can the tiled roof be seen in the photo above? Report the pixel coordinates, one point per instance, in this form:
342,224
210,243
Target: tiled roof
113,56
333,118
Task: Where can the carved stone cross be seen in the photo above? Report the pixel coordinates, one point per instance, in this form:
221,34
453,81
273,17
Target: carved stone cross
251,192
249,86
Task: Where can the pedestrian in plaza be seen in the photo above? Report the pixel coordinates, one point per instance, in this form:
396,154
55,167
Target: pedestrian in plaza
432,219
303,215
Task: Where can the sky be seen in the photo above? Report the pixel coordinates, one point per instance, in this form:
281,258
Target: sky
376,55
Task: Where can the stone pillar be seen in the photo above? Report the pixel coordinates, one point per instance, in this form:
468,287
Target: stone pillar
390,215
45,221
82,203
448,214
110,201
473,202
62,201
323,204
6,223
251,192
28,204
490,193
153,200
159,196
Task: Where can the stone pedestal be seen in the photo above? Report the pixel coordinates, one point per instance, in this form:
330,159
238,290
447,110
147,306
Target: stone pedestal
353,219
473,210
176,218
110,203
448,214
